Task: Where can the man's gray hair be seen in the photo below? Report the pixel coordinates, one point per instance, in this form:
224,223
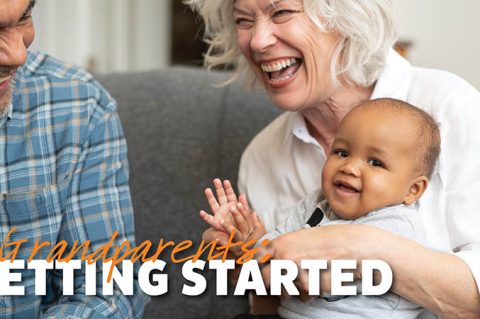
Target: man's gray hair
366,27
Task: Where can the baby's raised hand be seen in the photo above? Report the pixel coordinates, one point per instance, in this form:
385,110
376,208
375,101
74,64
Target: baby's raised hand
221,204
246,224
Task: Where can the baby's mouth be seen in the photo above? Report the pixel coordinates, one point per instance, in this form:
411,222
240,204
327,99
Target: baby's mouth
346,187
281,70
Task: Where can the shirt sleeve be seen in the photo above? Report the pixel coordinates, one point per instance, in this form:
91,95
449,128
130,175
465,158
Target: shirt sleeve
295,221
400,219
462,178
297,216
97,205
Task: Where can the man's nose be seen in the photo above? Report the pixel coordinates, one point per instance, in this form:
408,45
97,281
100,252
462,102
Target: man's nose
263,35
351,167
13,51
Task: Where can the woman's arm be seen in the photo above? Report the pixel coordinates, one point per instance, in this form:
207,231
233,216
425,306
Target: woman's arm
440,282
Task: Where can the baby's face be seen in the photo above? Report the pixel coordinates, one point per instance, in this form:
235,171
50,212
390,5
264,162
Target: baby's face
372,163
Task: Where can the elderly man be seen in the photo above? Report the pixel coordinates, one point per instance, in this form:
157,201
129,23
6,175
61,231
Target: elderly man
63,173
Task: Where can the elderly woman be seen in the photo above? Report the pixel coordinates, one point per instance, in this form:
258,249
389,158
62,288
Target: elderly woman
317,59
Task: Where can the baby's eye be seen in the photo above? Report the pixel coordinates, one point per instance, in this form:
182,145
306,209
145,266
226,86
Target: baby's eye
341,153
375,162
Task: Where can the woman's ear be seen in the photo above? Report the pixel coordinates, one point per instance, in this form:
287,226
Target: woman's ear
416,190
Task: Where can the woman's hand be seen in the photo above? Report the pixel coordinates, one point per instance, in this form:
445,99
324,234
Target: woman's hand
326,242
419,274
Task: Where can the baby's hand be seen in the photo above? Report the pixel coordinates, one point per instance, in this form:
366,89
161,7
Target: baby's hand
220,205
247,225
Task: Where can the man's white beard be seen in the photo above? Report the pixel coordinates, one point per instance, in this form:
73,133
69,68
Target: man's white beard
5,108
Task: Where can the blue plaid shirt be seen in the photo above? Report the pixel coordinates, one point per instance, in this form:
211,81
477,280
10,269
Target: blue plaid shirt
63,176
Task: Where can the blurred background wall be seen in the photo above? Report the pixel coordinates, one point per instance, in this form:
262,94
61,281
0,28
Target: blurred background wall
105,35
133,35
445,34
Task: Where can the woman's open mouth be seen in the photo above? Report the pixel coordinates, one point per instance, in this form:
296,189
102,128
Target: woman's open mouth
281,70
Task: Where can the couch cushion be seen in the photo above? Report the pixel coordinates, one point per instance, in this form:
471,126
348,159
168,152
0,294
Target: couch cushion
181,133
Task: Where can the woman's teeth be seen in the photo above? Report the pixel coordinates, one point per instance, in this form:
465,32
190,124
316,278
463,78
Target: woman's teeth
282,78
277,66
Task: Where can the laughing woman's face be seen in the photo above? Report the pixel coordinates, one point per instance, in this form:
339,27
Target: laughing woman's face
286,50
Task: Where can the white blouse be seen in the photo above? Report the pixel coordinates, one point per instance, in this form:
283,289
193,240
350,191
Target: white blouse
283,163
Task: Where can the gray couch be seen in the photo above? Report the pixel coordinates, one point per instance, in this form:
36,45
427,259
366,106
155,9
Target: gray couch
181,133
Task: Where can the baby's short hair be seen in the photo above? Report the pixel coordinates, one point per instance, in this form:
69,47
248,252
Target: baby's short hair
428,131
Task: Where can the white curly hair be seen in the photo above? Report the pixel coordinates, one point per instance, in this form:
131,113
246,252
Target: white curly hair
367,31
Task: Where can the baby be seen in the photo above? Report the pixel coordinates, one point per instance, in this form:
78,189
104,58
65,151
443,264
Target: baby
380,161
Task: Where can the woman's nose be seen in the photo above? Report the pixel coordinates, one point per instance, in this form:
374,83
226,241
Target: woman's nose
13,51
263,36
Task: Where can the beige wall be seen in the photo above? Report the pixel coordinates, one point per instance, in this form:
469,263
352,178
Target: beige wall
446,34
120,35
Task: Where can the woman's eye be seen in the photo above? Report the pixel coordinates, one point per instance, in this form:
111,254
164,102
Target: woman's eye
280,13
280,16
341,153
243,23
375,162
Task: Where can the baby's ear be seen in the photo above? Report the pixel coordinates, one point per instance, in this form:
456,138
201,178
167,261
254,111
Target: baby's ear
416,190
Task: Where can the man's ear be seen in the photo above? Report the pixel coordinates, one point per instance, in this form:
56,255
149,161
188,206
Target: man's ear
416,190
